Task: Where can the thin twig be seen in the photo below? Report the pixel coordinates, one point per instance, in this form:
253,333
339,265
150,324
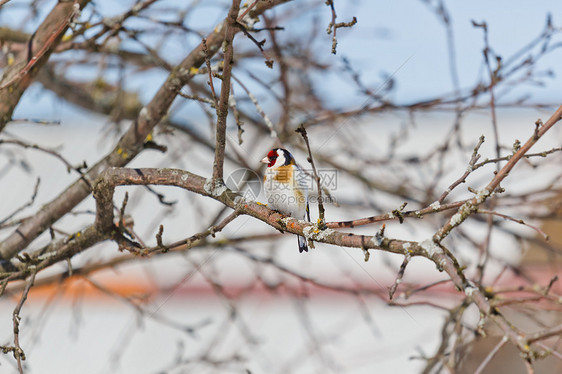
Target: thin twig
301,130
545,334
490,355
506,158
469,169
517,220
19,355
529,366
248,8
399,277
78,168
259,108
28,204
550,350
393,216
210,71
494,77
472,205
333,26
222,109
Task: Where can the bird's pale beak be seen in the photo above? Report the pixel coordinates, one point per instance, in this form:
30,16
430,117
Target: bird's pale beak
265,160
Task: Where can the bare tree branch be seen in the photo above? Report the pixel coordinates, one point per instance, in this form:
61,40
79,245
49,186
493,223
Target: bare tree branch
222,109
21,73
129,146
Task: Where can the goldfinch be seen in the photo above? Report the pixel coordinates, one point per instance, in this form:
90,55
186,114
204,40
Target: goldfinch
286,188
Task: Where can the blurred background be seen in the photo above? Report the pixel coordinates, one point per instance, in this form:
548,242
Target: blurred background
394,114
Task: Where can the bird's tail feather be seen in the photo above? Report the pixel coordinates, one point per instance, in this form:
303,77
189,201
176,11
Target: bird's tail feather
303,247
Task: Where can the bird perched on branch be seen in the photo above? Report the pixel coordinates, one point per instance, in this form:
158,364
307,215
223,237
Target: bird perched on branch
286,188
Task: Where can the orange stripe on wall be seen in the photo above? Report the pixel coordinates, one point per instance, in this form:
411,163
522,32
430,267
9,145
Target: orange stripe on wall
78,286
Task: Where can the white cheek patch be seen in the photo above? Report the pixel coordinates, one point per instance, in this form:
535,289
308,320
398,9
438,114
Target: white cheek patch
280,160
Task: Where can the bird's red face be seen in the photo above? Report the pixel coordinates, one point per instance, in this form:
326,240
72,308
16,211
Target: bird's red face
278,157
270,158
